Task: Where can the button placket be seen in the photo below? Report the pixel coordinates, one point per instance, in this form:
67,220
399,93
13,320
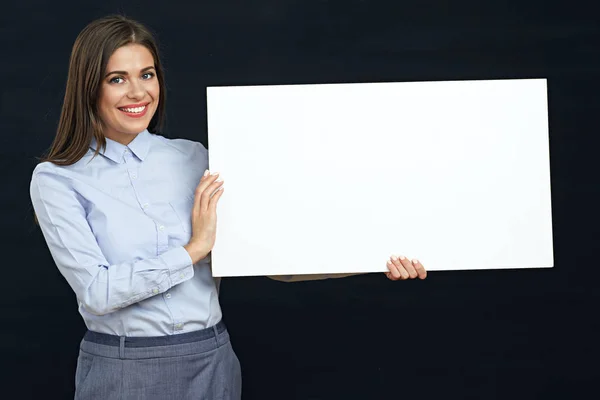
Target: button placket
132,168
163,237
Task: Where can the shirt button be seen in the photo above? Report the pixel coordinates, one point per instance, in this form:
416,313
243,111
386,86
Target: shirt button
179,326
133,176
161,228
155,291
168,295
145,205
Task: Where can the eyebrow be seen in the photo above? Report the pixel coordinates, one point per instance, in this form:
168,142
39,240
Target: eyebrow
125,72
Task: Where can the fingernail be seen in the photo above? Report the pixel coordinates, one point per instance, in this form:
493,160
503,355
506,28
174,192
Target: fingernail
394,258
388,263
205,172
219,180
215,174
402,258
415,261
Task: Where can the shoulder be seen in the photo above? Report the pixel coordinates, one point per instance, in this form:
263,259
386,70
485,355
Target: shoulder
188,149
50,174
184,146
50,182
48,169
67,177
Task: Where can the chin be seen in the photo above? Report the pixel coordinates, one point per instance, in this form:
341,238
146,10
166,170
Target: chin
134,129
133,132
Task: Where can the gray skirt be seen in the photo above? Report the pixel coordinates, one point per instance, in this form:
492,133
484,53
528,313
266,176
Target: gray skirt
193,365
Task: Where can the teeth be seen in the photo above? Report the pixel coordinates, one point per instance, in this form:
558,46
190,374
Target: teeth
134,110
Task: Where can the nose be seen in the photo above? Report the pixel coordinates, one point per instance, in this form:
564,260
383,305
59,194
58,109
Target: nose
136,89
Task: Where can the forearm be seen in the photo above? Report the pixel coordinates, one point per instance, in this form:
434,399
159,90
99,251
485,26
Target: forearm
106,288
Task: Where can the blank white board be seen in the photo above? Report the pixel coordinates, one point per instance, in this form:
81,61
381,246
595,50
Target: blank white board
335,178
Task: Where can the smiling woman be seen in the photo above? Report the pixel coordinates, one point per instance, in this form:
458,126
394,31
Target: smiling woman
118,226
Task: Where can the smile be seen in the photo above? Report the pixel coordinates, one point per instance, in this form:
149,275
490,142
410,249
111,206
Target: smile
136,111
133,110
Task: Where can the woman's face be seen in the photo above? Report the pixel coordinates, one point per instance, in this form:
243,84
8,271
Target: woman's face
129,93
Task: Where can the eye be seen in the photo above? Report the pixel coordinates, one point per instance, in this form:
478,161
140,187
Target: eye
116,79
148,75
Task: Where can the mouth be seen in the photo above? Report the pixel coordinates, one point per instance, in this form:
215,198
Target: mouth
134,110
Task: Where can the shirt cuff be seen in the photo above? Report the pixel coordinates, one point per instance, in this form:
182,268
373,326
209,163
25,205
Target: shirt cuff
179,263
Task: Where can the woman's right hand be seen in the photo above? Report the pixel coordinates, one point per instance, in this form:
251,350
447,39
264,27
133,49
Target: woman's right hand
204,216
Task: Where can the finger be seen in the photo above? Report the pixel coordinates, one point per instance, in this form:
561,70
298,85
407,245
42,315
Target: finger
408,267
420,269
215,199
206,172
208,193
398,264
394,272
205,181
197,191
389,276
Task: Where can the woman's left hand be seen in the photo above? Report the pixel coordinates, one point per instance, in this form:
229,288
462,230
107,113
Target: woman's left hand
401,268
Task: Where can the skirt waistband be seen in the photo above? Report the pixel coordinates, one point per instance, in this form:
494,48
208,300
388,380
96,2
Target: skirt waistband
155,341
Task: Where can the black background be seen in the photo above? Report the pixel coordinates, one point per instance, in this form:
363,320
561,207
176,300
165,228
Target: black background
463,334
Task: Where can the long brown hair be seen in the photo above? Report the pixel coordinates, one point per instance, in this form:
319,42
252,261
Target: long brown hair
79,118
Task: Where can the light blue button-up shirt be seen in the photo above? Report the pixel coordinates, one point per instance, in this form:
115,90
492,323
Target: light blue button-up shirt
116,225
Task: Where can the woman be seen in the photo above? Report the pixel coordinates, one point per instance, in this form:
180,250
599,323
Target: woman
129,217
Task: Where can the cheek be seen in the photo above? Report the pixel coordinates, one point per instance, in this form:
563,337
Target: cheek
109,98
103,109
154,89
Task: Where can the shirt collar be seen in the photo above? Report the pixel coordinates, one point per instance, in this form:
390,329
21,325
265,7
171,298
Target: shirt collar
115,150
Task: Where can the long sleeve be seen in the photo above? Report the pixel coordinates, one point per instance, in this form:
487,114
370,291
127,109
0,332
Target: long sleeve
101,287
